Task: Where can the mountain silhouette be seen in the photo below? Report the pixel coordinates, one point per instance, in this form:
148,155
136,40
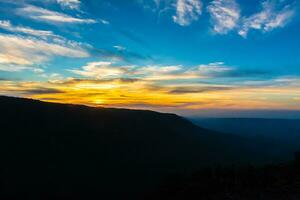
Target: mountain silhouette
63,151
283,131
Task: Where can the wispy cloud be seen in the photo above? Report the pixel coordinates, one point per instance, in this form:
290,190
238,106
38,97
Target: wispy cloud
187,11
165,75
108,70
41,91
108,84
105,22
212,69
100,70
136,93
225,15
71,4
65,4
6,25
28,88
274,14
199,89
119,48
19,52
119,53
220,70
41,14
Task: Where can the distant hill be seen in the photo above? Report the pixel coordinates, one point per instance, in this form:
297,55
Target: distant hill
284,131
60,151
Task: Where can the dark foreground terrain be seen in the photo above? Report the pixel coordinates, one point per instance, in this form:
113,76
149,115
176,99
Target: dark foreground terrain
270,182
57,151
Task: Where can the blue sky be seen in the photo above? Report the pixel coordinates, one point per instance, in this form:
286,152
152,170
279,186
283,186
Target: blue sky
191,51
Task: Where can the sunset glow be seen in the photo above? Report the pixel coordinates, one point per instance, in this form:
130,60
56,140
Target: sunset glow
153,54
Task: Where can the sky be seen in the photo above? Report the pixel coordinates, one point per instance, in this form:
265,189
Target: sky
184,56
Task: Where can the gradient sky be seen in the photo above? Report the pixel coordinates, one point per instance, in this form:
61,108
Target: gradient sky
181,56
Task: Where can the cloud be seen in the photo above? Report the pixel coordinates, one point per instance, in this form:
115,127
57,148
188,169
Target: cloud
21,88
149,74
160,69
18,52
128,92
165,73
119,53
153,71
6,79
39,91
71,4
6,25
49,16
234,73
213,68
199,89
120,93
72,81
274,14
220,70
187,11
168,75
101,70
119,48
225,15
105,22
65,4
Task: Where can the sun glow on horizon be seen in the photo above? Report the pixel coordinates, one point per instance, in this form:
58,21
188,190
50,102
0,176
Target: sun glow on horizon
157,55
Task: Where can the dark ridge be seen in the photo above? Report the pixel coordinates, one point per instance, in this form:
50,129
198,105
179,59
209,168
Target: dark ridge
283,131
63,151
